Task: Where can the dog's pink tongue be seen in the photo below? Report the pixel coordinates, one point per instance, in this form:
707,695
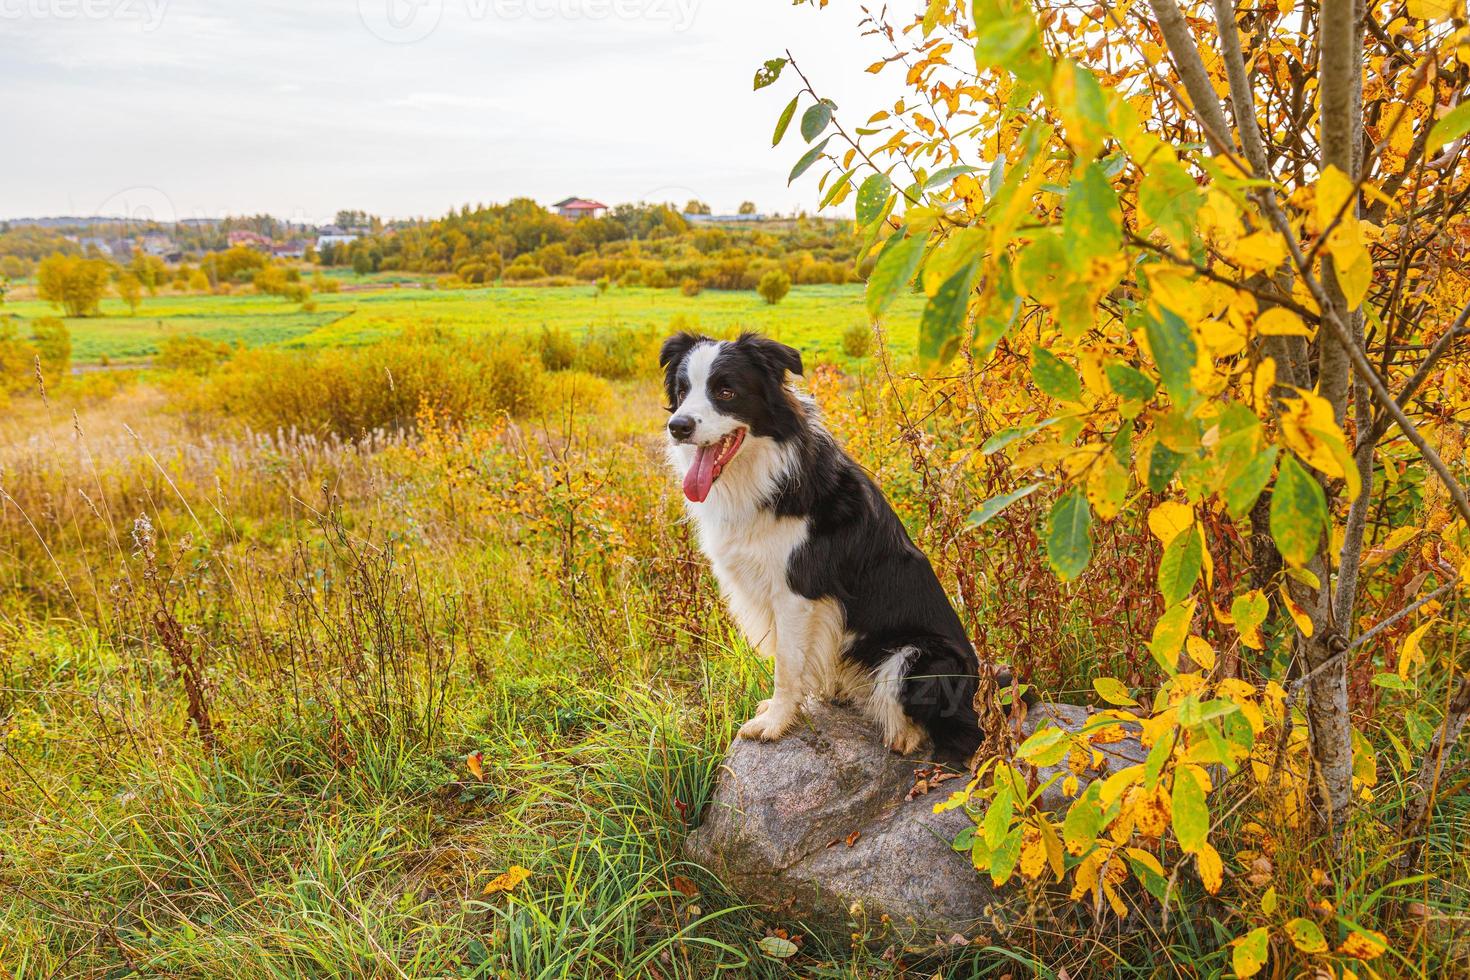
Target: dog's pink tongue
701,475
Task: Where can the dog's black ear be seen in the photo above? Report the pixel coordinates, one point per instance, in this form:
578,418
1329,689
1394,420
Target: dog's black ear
775,353
676,347
670,356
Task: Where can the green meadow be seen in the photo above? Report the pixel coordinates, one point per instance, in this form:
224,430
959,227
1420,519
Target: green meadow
810,317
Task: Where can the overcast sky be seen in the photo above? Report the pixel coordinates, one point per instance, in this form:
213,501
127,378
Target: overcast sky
201,108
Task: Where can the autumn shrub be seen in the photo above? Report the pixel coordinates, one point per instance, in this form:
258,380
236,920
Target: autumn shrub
191,354
774,286
691,287
556,348
519,271
52,342
857,340
17,358
619,354
347,392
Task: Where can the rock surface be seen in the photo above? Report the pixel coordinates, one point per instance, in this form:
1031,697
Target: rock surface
777,830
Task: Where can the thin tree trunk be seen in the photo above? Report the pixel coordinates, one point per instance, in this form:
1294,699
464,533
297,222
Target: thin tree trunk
1329,716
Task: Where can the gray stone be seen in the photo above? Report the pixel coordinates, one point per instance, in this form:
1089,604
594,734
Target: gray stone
777,829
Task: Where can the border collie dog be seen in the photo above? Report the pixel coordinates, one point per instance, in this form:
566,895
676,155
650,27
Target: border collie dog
816,567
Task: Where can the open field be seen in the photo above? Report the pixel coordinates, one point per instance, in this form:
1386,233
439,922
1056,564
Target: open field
811,317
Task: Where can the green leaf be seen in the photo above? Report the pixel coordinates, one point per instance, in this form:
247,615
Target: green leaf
1114,692
1169,634
815,119
941,326
1129,382
895,268
1180,567
1069,535
1046,746
1004,857
1451,126
1170,199
1154,764
998,817
1092,224
1174,351
1054,376
1005,437
992,507
767,73
1250,952
872,197
1306,936
777,948
1298,513
1249,610
807,159
947,174
1241,492
1163,463
785,119
1084,819
1001,43
1191,814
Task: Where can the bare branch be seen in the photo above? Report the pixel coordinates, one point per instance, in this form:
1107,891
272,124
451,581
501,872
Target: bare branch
1180,41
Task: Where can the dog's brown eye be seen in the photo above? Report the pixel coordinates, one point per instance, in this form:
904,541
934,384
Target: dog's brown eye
724,394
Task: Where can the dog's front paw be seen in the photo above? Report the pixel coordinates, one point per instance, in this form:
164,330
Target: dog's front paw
772,720
760,709
906,740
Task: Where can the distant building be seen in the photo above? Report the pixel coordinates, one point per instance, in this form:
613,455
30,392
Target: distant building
248,239
294,249
160,246
334,240
122,249
94,246
580,207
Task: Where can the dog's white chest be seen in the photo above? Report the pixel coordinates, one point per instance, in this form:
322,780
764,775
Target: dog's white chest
751,555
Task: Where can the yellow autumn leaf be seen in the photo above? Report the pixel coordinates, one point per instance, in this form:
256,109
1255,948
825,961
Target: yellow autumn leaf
1033,854
1310,429
1260,251
1169,518
1152,810
1281,322
1211,868
1364,945
1410,653
1261,385
1432,9
1298,614
508,880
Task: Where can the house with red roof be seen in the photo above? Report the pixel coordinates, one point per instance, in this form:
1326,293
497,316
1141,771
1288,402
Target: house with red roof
580,207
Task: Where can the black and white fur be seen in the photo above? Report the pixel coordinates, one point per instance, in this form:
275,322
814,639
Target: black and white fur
815,566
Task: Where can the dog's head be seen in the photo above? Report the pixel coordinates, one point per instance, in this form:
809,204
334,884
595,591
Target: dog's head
724,396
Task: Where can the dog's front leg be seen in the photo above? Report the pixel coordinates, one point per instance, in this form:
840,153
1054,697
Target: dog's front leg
803,659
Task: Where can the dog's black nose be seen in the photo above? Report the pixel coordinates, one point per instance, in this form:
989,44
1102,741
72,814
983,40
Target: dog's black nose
681,427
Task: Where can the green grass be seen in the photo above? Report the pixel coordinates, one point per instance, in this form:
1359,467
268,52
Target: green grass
810,317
